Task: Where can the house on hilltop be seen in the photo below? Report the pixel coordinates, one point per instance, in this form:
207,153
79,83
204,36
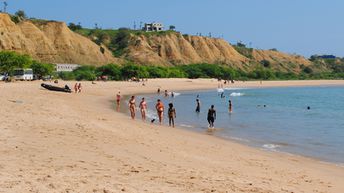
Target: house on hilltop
153,27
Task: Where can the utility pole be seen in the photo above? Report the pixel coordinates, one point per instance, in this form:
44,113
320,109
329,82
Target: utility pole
5,6
141,25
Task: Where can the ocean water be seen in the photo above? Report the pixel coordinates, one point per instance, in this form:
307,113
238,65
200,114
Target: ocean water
275,119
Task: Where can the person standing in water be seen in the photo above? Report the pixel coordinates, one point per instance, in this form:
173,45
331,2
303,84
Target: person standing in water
166,93
132,107
198,105
118,98
160,110
211,116
171,114
230,106
143,108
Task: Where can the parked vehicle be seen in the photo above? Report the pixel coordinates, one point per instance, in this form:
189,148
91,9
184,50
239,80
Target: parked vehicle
23,74
4,77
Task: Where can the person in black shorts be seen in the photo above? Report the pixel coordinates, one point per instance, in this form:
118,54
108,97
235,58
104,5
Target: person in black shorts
198,106
211,116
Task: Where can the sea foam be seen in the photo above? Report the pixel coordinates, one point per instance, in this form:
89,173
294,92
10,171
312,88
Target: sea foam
236,94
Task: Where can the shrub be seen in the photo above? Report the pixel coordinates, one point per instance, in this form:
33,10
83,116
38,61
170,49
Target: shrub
85,73
266,63
113,71
42,69
129,71
307,70
66,75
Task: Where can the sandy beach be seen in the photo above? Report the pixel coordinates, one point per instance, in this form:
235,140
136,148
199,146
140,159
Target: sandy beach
59,142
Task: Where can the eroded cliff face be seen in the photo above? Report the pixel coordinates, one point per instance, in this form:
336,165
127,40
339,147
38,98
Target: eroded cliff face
175,49
281,61
51,42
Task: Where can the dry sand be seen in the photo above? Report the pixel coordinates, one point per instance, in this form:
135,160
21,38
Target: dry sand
58,142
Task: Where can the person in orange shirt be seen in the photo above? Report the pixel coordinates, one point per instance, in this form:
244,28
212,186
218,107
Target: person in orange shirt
160,110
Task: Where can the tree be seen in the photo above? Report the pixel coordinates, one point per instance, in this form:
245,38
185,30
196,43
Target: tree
113,71
74,27
240,44
85,73
42,69
10,60
172,27
21,14
130,70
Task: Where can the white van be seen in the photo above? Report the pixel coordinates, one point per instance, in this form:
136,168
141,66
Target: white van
23,74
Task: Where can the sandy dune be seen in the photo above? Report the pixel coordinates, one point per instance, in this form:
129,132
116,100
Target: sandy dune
57,142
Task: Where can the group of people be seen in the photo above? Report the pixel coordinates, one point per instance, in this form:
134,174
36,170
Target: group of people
211,116
160,108
171,112
77,87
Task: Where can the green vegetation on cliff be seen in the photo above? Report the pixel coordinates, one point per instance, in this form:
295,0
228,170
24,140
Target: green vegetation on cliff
11,60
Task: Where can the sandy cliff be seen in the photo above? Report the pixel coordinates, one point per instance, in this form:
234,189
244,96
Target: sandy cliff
174,49
51,42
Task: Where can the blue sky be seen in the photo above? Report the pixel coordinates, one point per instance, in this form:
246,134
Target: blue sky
304,27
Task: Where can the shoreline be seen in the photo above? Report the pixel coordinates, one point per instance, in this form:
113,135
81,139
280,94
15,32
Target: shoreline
339,164
57,142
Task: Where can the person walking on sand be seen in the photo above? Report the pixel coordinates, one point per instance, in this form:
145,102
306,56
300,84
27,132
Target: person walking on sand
79,87
132,107
76,87
198,105
230,106
143,108
160,110
171,114
211,116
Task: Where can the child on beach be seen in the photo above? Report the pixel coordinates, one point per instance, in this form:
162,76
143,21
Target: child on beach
211,116
160,110
132,107
143,108
171,114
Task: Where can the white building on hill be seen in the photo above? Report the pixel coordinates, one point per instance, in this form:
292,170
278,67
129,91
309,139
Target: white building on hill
153,27
66,67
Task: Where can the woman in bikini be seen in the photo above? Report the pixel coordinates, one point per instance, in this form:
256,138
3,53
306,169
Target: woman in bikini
171,114
160,110
143,108
132,107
